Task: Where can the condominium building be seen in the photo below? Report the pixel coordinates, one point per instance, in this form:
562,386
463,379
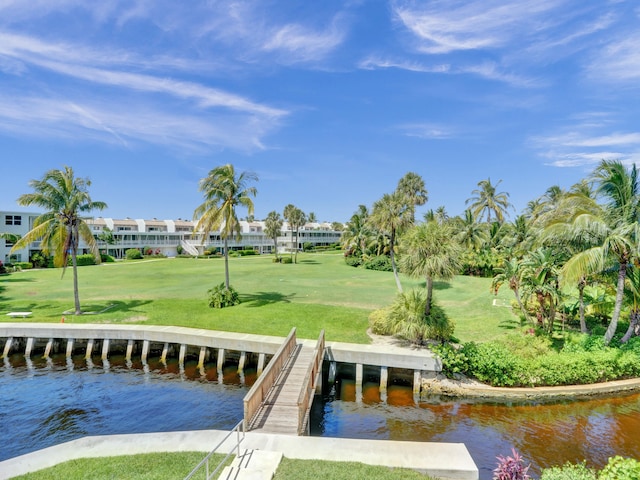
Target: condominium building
168,237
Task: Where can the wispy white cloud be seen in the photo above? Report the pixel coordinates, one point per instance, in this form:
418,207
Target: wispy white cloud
618,61
128,124
374,62
586,145
443,27
430,131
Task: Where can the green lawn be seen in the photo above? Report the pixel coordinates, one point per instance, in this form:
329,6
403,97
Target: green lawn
318,292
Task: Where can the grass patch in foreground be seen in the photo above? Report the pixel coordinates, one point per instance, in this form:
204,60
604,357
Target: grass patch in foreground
293,469
148,466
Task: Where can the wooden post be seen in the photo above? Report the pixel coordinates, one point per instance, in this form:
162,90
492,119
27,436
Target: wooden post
29,347
47,349
241,362
261,358
203,352
165,350
69,351
127,355
105,349
7,347
145,351
182,354
417,378
359,370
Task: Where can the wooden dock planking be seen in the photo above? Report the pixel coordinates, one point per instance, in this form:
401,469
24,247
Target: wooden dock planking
279,412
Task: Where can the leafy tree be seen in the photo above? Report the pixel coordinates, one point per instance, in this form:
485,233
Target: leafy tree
223,192
64,198
337,226
273,229
430,251
486,200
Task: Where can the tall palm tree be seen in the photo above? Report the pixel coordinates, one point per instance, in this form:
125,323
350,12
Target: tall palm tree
539,278
65,199
273,229
471,234
430,251
223,192
486,199
392,215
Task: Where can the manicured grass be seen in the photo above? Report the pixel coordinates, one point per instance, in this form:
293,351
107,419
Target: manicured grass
318,292
291,469
150,466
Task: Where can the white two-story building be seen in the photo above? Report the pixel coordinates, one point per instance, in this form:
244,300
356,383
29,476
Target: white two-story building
168,237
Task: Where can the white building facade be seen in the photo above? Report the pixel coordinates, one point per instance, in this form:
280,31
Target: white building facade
168,237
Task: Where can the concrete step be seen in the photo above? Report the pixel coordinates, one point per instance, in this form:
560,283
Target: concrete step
252,465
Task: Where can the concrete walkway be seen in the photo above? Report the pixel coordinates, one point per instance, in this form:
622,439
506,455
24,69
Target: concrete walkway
443,460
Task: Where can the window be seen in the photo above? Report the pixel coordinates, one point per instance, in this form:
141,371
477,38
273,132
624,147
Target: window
13,220
8,243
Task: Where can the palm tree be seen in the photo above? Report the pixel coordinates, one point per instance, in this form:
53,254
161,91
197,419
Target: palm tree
357,232
471,234
312,218
633,287
539,278
64,198
509,273
391,215
273,229
223,192
412,190
431,251
486,199
296,219
615,232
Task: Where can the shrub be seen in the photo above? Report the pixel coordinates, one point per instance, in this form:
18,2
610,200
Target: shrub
3,269
23,265
39,260
220,297
620,468
106,258
569,471
495,364
453,359
286,260
352,260
378,321
511,468
84,260
133,254
381,263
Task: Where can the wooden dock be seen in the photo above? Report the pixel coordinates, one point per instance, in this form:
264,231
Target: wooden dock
279,402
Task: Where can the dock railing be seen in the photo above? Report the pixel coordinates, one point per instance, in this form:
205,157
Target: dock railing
309,385
258,392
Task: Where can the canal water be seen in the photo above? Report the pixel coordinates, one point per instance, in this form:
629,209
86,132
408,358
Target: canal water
44,403
546,434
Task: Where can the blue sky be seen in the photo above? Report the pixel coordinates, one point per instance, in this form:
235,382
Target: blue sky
329,103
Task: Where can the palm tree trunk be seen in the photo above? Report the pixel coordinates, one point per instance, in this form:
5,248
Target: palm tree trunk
583,323
634,320
427,306
393,261
226,263
613,324
74,263
521,305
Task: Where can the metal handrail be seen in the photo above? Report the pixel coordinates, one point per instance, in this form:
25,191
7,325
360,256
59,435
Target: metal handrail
205,461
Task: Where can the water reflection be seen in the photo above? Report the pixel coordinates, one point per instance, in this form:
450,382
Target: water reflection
546,434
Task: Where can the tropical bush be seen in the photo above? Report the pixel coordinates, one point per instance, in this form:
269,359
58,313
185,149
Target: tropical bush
39,260
381,263
617,468
406,318
569,471
220,297
286,260
133,254
23,265
526,359
353,260
511,467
